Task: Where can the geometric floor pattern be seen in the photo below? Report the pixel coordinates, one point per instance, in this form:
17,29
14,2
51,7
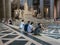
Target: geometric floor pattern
12,37
52,33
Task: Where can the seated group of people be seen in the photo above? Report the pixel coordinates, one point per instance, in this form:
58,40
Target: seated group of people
29,28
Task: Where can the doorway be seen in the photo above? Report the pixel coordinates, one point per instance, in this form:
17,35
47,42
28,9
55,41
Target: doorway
46,12
46,9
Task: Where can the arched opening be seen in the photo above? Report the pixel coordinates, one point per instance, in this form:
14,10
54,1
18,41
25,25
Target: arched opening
46,9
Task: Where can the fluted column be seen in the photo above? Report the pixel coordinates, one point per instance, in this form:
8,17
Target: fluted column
51,9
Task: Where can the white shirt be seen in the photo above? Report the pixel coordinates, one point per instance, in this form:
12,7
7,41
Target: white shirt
22,25
30,27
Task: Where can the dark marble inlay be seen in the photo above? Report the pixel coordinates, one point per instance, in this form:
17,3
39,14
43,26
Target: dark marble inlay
14,33
38,40
10,36
6,32
55,37
5,28
4,41
18,42
21,38
32,44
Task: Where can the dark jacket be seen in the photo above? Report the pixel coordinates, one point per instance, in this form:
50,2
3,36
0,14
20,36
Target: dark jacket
25,27
37,29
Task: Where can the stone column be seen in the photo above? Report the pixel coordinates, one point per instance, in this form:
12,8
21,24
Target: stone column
8,9
55,12
25,7
51,9
4,8
58,8
41,7
18,4
1,10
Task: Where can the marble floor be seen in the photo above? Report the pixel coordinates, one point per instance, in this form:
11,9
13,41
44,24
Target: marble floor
10,36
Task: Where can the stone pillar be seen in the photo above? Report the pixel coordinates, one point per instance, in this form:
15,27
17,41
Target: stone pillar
58,8
51,9
18,4
1,10
25,7
41,7
8,9
55,12
4,8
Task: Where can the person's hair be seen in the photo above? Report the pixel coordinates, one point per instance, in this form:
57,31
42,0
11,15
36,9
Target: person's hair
22,20
31,23
38,23
28,22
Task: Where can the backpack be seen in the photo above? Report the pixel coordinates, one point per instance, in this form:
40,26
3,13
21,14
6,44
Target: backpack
25,27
